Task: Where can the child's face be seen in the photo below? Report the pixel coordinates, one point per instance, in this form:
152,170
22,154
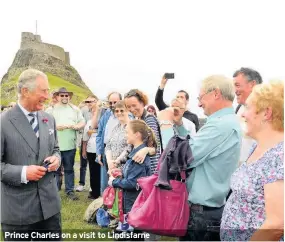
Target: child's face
131,136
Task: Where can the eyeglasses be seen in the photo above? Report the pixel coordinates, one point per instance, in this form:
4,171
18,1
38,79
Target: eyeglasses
119,111
201,97
112,103
89,101
64,95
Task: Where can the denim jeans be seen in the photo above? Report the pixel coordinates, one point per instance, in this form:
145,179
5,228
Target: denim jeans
67,159
104,175
83,166
204,224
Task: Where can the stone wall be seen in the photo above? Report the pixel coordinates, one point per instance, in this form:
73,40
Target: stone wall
67,60
31,41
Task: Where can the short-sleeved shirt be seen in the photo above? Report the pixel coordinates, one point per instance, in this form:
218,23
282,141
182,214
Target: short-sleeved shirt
86,113
244,212
91,141
67,115
118,143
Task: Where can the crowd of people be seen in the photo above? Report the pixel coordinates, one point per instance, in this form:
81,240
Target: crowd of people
235,183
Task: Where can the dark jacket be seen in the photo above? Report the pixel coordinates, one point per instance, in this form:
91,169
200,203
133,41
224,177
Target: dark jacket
161,106
131,172
175,158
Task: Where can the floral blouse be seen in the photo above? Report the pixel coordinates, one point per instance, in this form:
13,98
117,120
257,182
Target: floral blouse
118,144
244,212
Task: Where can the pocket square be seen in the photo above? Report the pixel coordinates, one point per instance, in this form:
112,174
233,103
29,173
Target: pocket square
50,131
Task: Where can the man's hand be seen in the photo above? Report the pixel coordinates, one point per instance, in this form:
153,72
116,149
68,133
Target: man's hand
35,173
140,155
99,160
61,127
54,163
163,82
84,154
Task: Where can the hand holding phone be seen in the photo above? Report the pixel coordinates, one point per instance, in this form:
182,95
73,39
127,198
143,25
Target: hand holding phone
46,164
169,75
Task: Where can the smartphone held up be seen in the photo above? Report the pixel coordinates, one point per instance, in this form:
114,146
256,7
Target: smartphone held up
169,75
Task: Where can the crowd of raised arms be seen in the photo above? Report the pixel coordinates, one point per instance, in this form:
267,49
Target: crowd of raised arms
234,163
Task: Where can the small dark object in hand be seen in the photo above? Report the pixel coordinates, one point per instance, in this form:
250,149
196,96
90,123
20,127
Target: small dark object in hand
46,164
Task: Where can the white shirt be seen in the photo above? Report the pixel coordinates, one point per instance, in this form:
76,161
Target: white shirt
111,124
24,169
91,141
247,142
189,126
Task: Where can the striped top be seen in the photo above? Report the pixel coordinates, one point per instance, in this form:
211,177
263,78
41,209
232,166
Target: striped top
152,122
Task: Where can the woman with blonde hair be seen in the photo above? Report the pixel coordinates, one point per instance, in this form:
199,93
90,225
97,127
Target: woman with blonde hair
255,209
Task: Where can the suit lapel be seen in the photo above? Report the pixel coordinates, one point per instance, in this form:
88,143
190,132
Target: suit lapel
44,135
22,125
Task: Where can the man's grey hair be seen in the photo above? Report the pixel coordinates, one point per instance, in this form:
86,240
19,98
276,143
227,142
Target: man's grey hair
222,83
250,74
27,79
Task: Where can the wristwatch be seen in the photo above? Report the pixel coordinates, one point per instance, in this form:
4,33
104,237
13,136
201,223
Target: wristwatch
165,122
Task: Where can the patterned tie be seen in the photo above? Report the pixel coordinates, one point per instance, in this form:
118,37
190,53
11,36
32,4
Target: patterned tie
34,123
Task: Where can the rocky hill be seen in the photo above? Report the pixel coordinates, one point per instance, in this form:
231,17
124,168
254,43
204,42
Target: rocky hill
50,59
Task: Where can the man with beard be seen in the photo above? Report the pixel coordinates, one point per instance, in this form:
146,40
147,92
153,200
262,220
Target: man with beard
105,127
69,120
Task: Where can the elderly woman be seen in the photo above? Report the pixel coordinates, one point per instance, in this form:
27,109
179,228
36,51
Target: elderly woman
255,209
136,101
117,148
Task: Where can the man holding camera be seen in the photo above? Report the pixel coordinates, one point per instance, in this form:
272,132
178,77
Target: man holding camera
182,95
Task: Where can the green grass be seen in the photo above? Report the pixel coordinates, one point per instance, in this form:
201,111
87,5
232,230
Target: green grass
8,89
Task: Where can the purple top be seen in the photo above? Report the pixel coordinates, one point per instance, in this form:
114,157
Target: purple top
244,212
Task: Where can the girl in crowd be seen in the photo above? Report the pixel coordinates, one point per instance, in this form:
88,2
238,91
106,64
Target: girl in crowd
117,148
255,209
89,153
136,101
140,136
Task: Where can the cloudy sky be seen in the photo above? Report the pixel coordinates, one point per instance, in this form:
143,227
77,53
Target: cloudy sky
119,45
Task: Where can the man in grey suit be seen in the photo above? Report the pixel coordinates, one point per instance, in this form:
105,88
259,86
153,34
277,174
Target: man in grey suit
30,203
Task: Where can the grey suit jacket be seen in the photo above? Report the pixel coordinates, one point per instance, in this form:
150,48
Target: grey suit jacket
37,200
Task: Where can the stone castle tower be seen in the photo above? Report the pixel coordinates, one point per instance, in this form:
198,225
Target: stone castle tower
31,41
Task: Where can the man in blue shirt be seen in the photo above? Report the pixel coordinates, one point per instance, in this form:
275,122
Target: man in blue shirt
105,127
216,150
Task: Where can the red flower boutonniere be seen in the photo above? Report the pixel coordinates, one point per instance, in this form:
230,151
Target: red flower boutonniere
45,120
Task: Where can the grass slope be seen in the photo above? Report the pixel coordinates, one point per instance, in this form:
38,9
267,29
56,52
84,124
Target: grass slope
8,89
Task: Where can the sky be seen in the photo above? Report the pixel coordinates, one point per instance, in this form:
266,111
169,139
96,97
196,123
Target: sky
120,45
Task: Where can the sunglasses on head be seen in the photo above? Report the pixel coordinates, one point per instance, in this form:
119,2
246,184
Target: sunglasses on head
131,94
119,111
64,95
112,103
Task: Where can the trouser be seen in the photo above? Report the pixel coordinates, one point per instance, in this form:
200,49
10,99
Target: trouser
95,171
37,232
67,160
83,167
204,223
104,174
